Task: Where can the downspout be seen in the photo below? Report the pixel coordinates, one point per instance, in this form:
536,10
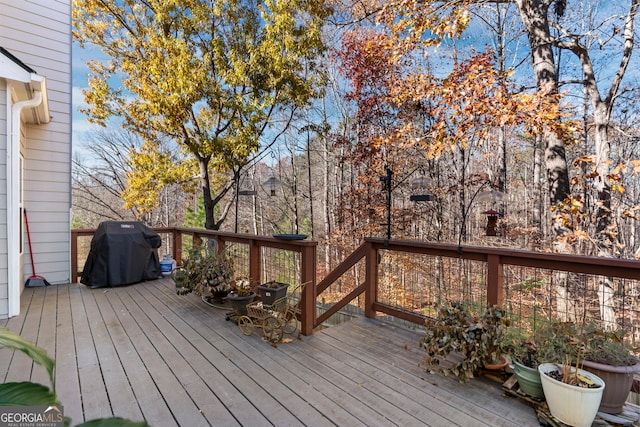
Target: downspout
14,281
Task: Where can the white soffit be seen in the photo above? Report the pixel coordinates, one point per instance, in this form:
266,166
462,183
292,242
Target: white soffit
24,82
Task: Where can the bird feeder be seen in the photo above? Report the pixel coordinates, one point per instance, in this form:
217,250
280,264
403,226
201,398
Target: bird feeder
272,183
419,185
492,222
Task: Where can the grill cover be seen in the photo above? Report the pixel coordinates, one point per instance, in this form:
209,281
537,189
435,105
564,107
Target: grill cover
122,253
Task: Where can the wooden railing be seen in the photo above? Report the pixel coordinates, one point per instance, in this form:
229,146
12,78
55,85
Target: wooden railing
493,261
174,244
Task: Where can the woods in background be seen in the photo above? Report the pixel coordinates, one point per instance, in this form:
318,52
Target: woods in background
524,108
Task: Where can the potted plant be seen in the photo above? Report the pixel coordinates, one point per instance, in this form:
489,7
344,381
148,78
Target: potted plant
240,296
456,330
523,351
572,394
205,273
528,349
272,291
610,358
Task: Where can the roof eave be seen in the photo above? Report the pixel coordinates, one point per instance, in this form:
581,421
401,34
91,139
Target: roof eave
24,82
41,114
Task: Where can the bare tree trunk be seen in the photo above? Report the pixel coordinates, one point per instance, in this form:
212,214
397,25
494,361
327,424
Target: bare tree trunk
606,230
310,181
328,218
254,203
296,212
534,15
536,206
210,221
462,237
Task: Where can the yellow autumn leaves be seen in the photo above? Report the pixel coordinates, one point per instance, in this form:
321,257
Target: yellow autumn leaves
208,77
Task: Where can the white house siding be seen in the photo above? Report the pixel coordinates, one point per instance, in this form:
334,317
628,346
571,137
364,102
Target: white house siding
4,301
38,32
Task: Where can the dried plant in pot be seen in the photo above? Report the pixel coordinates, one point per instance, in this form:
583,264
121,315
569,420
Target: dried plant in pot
609,357
205,273
572,394
477,339
240,295
272,291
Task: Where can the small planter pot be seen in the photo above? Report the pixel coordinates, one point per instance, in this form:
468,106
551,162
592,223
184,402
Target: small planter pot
272,291
572,405
528,379
179,277
239,303
497,365
618,380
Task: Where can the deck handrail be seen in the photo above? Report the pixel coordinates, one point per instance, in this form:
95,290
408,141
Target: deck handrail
306,248
495,258
334,275
369,251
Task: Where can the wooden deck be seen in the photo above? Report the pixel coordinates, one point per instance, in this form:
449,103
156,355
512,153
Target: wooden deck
142,352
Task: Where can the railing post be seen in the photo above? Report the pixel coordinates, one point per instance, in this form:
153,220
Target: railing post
308,297
221,242
177,246
255,274
495,280
371,281
197,241
74,257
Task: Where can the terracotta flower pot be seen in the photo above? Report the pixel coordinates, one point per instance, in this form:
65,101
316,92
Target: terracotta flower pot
497,365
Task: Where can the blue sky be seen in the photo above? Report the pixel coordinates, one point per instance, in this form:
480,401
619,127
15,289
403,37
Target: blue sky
79,79
604,66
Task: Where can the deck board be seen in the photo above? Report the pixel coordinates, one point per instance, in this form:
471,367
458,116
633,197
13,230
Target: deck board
68,382
142,352
470,406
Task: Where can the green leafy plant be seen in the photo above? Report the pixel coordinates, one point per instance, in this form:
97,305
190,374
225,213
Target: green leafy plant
26,393
567,344
456,330
548,342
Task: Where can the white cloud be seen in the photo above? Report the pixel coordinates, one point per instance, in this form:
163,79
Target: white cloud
77,98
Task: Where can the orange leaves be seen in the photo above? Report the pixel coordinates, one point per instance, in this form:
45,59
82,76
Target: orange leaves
412,107
395,94
589,173
588,159
635,164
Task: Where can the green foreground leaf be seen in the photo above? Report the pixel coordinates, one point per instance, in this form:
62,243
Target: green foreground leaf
26,394
14,341
113,422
